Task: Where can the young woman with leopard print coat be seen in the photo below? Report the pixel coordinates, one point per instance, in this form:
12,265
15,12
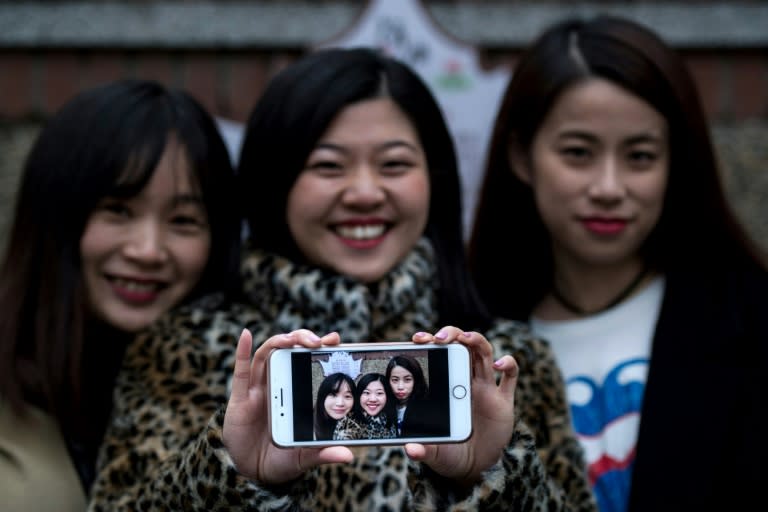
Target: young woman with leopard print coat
351,149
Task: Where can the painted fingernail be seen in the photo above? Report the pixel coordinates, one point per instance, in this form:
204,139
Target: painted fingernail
441,335
497,363
466,334
314,337
420,334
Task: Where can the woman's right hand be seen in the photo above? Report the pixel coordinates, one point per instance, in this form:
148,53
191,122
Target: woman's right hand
246,423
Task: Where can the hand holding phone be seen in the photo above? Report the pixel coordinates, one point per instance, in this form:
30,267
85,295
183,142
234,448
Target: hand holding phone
247,437
370,393
246,425
493,412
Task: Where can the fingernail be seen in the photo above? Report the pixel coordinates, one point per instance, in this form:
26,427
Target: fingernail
497,363
466,335
421,334
441,335
314,337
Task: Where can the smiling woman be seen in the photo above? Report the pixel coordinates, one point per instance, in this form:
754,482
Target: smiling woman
374,408
351,189
122,214
143,254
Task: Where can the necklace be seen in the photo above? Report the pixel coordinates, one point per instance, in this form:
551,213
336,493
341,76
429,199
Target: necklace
573,308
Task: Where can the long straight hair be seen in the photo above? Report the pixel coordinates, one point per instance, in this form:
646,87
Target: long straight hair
420,387
697,229
105,141
324,424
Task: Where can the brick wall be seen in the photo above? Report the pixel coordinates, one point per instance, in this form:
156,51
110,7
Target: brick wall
34,83
224,51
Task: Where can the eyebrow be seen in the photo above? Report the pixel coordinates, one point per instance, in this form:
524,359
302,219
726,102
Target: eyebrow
182,199
635,139
387,145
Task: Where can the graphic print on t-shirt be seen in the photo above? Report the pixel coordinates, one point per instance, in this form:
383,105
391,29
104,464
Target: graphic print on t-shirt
606,419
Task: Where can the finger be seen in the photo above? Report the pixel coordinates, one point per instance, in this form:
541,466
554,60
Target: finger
311,457
447,334
277,341
306,338
421,337
332,338
242,375
416,451
482,355
508,366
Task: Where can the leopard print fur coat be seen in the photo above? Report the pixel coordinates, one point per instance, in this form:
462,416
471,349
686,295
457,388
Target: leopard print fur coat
164,449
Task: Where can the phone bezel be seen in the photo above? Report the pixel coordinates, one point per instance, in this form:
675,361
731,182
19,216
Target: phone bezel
280,388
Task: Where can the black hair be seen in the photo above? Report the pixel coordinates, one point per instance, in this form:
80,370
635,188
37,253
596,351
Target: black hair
420,387
292,114
324,424
104,141
696,225
390,408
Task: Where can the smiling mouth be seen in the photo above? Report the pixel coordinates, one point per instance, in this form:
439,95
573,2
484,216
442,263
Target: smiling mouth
134,286
361,231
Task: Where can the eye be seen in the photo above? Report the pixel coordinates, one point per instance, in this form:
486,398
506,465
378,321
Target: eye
189,218
325,167
324,164
115,208
642,159
575,154
396,166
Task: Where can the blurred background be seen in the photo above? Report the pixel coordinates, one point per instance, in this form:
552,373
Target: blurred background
224,52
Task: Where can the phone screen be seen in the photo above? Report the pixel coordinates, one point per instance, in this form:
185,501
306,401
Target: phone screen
405,405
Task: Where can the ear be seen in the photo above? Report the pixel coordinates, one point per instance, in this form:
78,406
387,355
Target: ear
519,160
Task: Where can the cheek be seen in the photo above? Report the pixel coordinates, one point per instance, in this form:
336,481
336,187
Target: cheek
192,256
95,241
308,201
414,194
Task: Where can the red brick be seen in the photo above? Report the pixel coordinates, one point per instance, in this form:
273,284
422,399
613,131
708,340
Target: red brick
61,79
708,75
200,75
247,78
749,85
102,67
16,85
157,66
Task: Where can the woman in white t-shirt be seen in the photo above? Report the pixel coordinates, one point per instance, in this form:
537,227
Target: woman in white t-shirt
625,255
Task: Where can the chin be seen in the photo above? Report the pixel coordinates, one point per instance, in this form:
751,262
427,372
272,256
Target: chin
366,275
133,325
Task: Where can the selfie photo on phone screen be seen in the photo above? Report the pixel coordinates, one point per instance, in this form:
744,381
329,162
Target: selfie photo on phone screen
370,394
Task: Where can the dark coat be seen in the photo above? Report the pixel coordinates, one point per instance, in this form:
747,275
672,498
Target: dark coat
426,418
703,430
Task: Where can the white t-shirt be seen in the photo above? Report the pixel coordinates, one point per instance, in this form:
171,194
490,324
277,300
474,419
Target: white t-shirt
604,359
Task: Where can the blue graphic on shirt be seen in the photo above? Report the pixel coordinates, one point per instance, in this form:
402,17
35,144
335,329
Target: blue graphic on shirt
606,420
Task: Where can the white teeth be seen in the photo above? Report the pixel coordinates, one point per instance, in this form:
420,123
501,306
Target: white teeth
135,286
361,232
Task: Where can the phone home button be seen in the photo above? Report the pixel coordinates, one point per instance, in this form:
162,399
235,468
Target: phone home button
459,391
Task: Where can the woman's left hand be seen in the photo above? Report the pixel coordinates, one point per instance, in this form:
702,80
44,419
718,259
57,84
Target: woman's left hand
493,416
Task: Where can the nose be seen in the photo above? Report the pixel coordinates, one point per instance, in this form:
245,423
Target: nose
364,187
146,243
608,184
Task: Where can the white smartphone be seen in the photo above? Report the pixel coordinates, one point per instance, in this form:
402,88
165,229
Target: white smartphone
370,393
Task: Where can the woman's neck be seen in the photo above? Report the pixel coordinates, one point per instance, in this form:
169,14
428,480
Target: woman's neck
583,292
